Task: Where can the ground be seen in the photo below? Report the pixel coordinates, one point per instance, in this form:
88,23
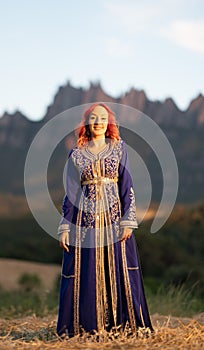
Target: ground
40,333
36,333
12,269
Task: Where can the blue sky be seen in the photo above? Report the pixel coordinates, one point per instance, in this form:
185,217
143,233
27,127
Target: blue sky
156,45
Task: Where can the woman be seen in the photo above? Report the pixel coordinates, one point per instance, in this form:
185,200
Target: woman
101,283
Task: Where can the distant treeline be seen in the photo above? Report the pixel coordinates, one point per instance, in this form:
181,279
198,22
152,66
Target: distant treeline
173,255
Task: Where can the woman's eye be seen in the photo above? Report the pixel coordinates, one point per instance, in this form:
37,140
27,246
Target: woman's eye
92,118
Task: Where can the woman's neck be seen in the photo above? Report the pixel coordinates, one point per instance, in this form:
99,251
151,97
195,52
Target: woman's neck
97,143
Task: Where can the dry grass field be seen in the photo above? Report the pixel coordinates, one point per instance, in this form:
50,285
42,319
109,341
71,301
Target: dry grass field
32,332
40,333
12,269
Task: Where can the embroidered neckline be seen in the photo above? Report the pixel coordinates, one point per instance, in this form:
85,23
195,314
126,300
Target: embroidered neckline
102,154
99,153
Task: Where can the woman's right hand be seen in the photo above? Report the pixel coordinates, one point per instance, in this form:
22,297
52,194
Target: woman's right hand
64,242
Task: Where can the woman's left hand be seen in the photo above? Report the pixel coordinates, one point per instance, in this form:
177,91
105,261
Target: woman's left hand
127,233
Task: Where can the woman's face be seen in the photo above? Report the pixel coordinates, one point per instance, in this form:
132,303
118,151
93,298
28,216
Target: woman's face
98,122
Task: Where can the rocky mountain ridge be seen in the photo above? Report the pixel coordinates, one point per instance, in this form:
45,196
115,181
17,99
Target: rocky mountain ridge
184,129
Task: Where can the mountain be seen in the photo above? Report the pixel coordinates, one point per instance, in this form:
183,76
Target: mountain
163,113
184,129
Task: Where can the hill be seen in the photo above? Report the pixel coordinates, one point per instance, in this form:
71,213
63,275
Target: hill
175,254
184,130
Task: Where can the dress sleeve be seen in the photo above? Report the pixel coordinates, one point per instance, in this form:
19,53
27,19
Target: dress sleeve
126,192
69,205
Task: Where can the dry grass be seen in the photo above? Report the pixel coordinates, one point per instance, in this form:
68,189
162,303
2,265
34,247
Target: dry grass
16,268
40,333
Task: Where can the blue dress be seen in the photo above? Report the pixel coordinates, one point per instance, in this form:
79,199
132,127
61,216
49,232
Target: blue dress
101,282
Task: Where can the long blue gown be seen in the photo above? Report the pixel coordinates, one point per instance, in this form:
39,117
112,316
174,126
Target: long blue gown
101,282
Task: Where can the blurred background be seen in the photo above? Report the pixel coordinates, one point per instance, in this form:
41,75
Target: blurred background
147,55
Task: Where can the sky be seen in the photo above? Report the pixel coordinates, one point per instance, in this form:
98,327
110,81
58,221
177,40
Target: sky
155,46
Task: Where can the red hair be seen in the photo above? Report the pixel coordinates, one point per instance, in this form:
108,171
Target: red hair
83,132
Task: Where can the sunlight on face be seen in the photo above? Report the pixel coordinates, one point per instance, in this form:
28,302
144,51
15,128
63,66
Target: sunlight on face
98,122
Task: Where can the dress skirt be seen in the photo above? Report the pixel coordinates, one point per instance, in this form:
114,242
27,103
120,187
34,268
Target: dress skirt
97,306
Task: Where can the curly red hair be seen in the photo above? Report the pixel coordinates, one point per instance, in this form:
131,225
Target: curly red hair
83,132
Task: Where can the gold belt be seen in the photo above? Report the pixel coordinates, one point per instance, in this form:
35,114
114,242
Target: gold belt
100,181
